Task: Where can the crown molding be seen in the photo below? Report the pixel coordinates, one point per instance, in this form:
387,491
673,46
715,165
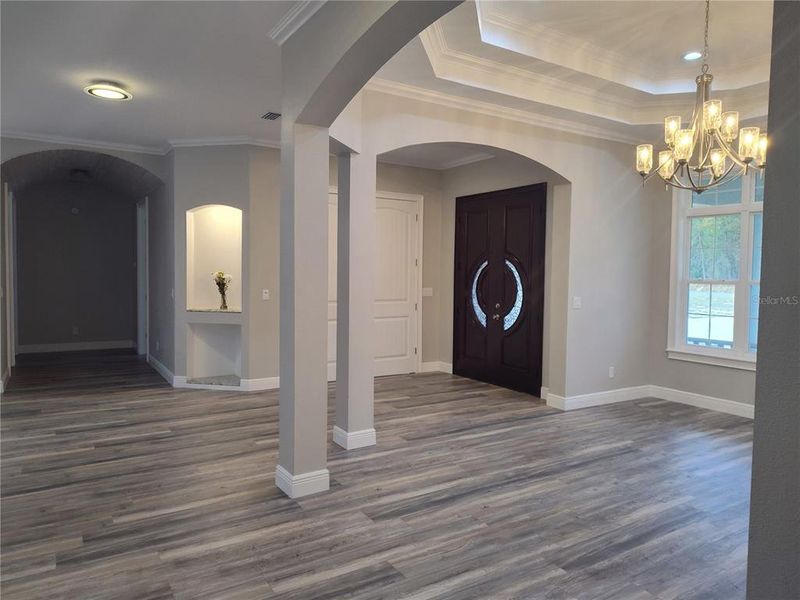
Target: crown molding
233,140
466,160
73,141
630,107
451,164
412,92
294,19
155,150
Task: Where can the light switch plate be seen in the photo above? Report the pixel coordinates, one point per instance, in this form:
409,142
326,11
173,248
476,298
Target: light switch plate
265,294
427,292
577,302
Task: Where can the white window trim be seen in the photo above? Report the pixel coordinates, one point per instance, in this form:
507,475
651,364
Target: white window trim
738,357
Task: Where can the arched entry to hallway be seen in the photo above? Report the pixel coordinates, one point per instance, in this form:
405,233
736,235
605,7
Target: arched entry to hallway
75,227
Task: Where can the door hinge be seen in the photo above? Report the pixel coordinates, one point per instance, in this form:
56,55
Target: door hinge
417,217
415,350
416,262
415,306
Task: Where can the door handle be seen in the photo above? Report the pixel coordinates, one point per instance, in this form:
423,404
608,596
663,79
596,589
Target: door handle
497,305
496,317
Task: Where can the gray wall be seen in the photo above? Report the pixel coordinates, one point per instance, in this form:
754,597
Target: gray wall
75,269
774,551
161,276
4,325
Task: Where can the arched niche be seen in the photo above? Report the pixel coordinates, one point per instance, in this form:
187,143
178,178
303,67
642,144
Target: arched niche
213,243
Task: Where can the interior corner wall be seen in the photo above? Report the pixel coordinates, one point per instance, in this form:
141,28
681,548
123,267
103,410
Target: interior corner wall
263,358
207,175
708,380
161,267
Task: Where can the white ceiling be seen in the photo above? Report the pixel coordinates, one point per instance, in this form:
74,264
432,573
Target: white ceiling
207,71
196,69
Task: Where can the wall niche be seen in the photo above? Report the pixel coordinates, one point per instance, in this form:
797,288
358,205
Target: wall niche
213,243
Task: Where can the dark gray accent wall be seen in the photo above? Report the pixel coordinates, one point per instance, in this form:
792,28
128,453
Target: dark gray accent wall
76,253
774,551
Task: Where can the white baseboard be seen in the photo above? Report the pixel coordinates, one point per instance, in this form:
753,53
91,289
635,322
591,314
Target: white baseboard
544,393
437,367
3,381
350,440
650,391
162,370
304,484
597,398
731,407
75,346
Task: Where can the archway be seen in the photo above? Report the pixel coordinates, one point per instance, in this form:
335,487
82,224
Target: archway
472,168
75,228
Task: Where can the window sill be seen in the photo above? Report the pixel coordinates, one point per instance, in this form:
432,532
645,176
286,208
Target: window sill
731,362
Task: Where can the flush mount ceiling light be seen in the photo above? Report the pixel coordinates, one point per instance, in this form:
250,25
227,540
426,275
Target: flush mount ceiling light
701,156
108,91
693,55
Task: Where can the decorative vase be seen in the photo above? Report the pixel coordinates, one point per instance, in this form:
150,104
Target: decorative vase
224,301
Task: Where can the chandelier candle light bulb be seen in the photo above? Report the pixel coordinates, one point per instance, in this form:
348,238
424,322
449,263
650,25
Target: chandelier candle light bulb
671,125
712,114
644,158
748,143
700,156
665,164
762,150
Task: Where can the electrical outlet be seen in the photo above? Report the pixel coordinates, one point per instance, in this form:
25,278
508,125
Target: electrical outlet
265,294
577,302
611,372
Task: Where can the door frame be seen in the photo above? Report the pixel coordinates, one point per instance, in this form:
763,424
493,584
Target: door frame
142,278
419,200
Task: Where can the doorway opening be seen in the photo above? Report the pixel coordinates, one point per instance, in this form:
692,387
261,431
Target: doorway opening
77,264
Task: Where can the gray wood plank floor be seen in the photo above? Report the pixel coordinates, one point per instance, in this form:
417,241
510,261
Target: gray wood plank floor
115,485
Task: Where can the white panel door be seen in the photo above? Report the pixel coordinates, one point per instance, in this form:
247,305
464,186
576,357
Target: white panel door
396,286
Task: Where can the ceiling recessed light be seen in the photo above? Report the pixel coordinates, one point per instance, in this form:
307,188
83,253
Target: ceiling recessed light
693,55
108,91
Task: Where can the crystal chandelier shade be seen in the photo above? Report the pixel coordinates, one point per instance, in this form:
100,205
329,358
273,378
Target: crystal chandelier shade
700,155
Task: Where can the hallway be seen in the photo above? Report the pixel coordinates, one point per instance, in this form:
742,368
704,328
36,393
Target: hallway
116,485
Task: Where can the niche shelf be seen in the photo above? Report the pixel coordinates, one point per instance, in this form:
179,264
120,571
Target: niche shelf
213,243
214,355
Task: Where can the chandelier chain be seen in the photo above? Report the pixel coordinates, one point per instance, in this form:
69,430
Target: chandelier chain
705,38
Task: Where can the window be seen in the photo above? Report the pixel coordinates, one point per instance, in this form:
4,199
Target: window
716,271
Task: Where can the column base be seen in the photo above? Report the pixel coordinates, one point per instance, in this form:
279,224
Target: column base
304,484
350,440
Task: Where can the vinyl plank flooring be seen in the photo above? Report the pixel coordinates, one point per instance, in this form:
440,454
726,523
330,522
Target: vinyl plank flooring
116,486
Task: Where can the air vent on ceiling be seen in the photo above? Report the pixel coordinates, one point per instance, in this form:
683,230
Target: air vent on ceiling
271,116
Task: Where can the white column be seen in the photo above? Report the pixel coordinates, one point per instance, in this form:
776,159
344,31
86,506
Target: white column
355,302
302,462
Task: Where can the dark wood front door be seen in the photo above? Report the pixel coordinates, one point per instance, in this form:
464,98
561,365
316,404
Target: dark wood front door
499,287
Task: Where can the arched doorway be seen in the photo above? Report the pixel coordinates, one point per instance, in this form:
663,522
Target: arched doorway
75,229
466,169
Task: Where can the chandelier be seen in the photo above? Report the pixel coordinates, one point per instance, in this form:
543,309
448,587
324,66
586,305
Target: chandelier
701,156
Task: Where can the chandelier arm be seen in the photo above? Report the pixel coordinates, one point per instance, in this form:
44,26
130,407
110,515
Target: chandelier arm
691,181
734,156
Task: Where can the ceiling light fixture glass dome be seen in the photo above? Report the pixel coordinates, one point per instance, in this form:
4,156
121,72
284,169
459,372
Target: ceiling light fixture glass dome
108,91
